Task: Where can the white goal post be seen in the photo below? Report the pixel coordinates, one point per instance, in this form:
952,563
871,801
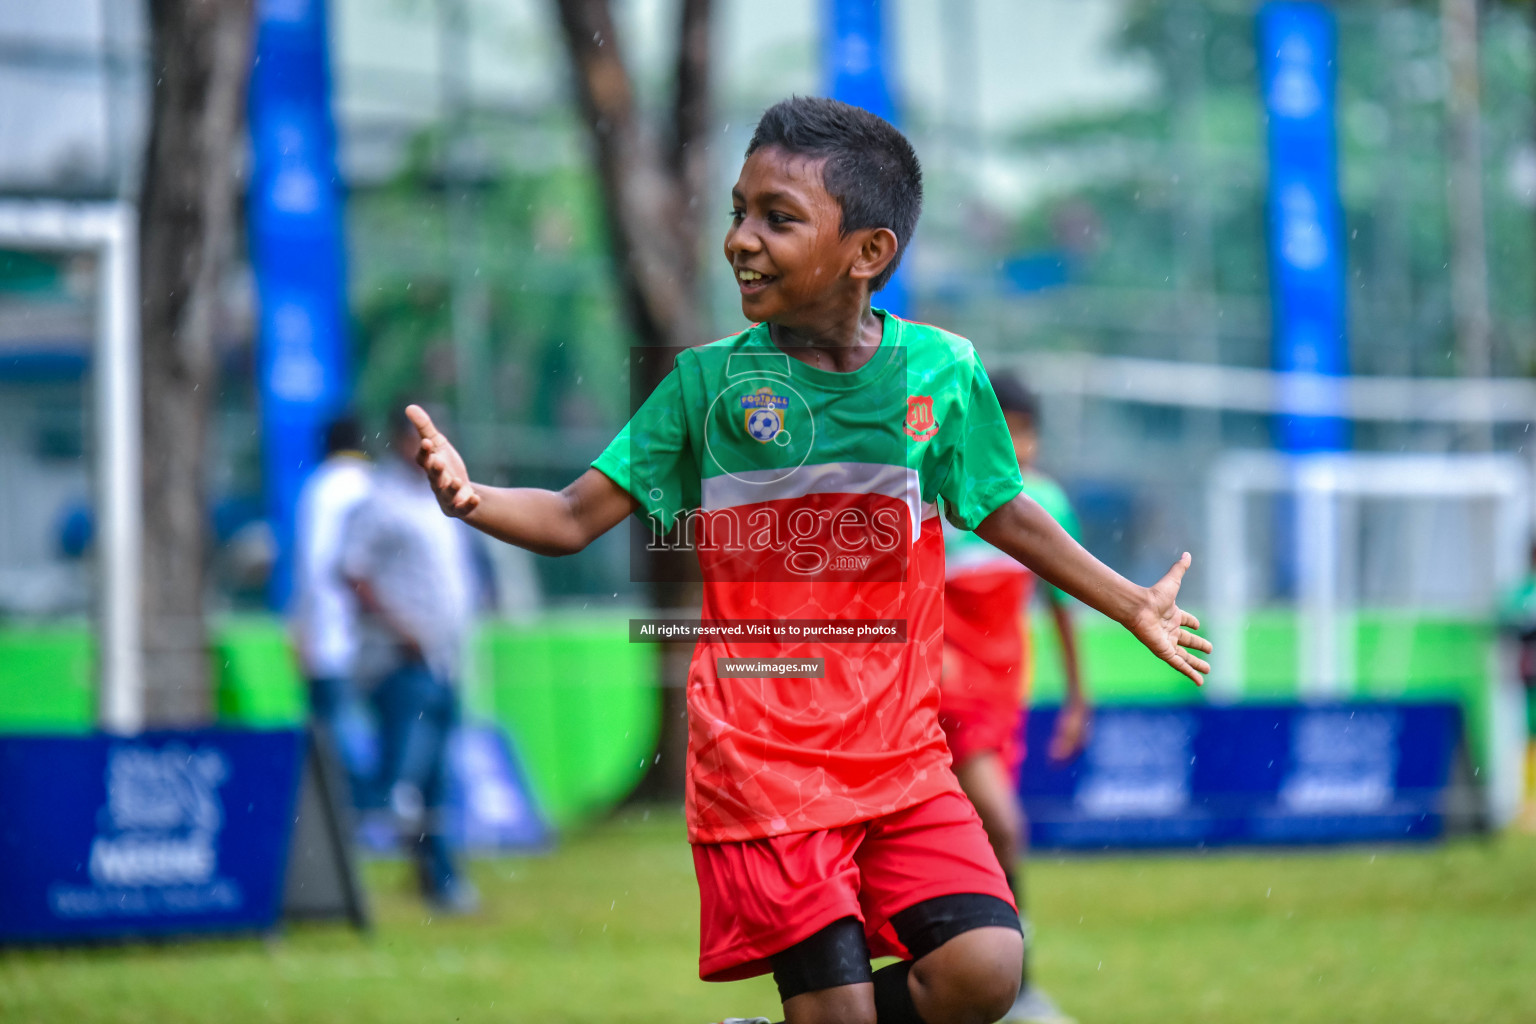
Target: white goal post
109,231
1326,490
1322,486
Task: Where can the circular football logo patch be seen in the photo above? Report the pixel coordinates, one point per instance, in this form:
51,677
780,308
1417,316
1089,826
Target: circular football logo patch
758,429
764,424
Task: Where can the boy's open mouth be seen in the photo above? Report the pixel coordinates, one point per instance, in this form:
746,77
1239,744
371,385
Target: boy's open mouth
752,280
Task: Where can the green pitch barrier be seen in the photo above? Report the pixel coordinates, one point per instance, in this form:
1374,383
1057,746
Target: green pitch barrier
46,679
582,706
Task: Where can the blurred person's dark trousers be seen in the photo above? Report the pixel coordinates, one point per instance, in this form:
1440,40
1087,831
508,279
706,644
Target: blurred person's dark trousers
417,713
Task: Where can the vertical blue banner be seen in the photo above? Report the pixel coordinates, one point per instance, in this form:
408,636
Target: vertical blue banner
297,253
1297,55
854,65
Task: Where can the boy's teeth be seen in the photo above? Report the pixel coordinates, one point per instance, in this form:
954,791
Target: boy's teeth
749,275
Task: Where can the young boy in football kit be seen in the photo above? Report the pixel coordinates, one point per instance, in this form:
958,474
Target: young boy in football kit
808,458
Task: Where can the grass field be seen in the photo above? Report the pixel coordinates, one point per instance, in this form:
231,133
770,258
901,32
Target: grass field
604,930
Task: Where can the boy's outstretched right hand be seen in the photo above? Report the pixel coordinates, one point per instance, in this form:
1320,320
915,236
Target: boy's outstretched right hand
446,471
1165,627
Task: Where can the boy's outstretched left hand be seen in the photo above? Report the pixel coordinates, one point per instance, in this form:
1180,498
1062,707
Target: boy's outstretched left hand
1165,627
445,468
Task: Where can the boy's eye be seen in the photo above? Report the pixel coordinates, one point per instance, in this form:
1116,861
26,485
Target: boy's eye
737,214
779,218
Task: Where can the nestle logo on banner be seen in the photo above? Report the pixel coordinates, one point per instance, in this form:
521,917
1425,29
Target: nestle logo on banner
162,817
1342,762
1138,767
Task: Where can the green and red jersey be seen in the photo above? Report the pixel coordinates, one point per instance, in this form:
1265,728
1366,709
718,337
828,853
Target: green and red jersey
814,495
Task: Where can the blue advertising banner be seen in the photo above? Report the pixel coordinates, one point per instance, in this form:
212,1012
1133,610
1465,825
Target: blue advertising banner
1160,776
854,56
1297,58
162,833
297,250
492,806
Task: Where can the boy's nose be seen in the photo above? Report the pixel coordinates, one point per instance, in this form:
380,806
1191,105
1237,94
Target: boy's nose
742,239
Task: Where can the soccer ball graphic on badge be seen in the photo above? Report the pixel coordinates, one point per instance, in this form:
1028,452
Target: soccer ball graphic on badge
765,415
764,424
761,426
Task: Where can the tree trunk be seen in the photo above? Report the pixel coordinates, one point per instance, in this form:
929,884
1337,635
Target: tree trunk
200,62
652,203
653,195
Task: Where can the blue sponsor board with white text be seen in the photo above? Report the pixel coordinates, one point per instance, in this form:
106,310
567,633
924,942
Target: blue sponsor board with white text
161,833
1161,776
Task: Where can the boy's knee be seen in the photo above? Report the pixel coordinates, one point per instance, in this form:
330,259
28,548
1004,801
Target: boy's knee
994,983
971,979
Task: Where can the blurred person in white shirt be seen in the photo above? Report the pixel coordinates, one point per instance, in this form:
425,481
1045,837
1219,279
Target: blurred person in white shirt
413,571
324,615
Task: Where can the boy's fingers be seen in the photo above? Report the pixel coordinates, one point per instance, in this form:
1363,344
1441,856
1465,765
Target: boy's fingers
1196,663
423,423
1187,620
1179,568
1179,662
1198,643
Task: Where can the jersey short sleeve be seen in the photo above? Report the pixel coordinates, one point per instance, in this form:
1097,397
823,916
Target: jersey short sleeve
983,469
651,457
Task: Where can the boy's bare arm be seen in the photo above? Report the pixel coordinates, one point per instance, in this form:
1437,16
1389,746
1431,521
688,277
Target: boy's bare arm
545,522
1026,531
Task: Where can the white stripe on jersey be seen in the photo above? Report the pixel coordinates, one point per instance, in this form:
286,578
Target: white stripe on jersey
975,557
732,490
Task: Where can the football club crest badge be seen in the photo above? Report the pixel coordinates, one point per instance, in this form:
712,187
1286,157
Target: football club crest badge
920,425
764,412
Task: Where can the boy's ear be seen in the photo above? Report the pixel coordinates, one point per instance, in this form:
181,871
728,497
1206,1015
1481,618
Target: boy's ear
877,248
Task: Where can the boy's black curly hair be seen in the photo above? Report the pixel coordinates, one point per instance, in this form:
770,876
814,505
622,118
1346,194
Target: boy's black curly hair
871,168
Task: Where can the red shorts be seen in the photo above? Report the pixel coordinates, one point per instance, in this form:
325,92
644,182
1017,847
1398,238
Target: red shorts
981,710
760,897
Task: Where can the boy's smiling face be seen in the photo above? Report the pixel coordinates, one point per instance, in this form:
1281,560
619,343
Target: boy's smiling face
792,263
